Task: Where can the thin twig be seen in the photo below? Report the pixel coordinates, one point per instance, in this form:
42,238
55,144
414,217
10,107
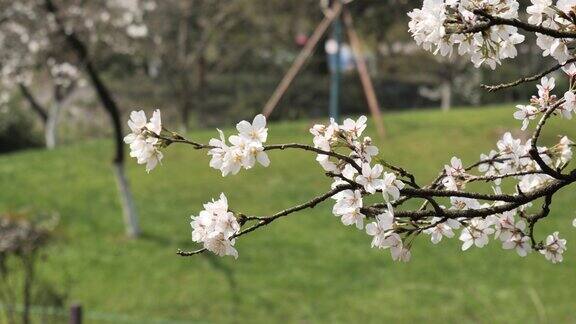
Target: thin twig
492,88
262,221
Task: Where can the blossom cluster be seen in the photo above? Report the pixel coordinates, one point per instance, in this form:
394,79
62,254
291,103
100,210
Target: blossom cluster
554,247
545,100
442,25
370,178
143,139
511,157
63,74
245,149
215,227
553,16
438,27
384,237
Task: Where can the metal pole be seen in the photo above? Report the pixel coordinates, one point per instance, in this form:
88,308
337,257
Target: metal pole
336,73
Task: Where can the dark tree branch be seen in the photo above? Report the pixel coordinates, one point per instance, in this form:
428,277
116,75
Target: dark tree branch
496,21
263,221
102,90
34,104
492,88
534,148
535,218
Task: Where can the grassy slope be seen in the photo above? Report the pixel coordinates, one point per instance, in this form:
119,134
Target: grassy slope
307,267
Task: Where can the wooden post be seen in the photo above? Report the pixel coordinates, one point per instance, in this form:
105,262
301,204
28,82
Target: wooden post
364,75
76,314
301,59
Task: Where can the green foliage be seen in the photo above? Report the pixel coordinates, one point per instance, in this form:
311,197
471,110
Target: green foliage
17,130
305,268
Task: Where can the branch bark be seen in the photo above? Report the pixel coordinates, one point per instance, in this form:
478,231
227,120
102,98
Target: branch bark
34,104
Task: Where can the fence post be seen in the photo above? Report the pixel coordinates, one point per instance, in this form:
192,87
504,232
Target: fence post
76,314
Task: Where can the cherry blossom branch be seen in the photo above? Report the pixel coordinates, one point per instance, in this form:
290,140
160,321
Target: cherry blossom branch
354,178
313,149
534,148
496,21
523,199
501,176
176,138
427,193
263,221
536,77
535,218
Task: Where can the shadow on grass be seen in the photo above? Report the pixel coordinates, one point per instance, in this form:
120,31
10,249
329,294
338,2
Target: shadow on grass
228,273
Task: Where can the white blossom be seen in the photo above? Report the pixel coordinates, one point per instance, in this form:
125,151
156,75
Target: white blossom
453,172
554,247
463,203
364,150
391,187
505,226
355,128
255,132
220,245
369,178
475,233
525,113
324,136
144,146
520,243
441,228
381,229
564,148
215,227
245,149
569,105
347,206
384,237
354,217
538,10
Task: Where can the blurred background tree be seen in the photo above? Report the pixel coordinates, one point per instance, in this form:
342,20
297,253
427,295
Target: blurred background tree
207,62
23,237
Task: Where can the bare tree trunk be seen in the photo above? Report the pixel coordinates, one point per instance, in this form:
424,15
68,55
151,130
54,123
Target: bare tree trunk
128,206
185,104
446,95
111,108
184,62
51,129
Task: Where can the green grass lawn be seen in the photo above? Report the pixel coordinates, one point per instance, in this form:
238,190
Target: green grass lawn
304,268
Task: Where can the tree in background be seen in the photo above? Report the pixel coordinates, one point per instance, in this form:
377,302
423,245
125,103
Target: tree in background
28,51
179,50
79,31
22,238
